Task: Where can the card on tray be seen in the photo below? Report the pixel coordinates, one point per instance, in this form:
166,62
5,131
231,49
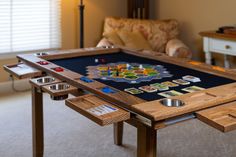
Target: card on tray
159,86
133,91
192,89
170,93
148,89
181,82
169,84
191,78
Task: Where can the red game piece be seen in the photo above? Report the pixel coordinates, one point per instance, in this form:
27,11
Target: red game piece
43,63
102,60
58,69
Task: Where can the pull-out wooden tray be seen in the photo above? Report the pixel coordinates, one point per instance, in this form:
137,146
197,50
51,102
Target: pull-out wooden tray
97,109
22,71
221,117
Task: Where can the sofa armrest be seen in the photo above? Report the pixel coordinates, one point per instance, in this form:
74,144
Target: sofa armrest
104,42
177,48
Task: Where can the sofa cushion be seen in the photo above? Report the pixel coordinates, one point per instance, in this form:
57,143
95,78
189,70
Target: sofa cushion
156,32
134,40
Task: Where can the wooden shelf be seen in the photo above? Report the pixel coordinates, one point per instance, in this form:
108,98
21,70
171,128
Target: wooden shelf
22,71
221,117
98,110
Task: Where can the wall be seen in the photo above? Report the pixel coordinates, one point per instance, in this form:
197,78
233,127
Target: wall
95,11
196,16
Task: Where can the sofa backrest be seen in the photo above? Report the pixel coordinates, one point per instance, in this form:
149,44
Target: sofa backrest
156,32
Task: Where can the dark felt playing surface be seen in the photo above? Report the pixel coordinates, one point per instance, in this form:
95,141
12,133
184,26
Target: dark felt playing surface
79,65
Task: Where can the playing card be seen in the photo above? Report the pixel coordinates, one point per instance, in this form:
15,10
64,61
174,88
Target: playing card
181,82
148,89
191,78
133,91
169,84
170,93
159,86
192,89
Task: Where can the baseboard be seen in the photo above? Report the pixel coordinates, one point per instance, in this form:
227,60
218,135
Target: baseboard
20,85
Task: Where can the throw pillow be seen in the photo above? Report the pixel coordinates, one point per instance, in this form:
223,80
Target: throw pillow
134,40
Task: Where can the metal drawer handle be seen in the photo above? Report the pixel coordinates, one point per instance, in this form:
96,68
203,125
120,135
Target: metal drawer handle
227,47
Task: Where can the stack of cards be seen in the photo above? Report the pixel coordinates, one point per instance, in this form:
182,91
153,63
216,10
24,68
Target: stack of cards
164,86
148,89
169,84
133,91
181,82
191,78
192,89
159,86
170,93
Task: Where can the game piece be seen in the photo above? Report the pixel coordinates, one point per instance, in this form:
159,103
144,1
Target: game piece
191,78
58,69
108,90
170,93
169,84
159,86
102,60
192,89
117,72
86,79
108,71
128,66
148,89
43,63
140,66
145,72
96,60
133,91
119,67
181,82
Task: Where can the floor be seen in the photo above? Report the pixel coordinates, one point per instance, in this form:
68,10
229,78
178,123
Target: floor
68,134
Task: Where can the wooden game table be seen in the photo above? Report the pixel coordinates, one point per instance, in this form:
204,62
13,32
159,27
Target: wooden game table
64,72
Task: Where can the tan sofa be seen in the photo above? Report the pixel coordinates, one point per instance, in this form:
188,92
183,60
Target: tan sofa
154,36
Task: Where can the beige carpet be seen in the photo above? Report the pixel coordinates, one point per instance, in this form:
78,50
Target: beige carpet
67,134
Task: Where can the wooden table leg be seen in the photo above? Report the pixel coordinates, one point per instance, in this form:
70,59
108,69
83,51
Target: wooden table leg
118,133
146,141
37,122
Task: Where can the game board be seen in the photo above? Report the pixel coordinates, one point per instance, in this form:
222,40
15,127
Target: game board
127,72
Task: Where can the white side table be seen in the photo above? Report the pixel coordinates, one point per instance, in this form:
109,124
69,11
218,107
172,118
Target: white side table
218,43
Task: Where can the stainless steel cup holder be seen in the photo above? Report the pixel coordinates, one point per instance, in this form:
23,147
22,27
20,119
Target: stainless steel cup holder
45,80
59,86
41,53
172,102
58,98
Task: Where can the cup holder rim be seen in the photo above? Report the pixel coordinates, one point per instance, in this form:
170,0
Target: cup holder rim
42,79
169,102
65,86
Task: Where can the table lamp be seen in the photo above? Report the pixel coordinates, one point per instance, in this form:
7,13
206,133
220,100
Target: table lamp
81,8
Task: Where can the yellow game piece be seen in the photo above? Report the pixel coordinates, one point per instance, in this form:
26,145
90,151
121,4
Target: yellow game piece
145,72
